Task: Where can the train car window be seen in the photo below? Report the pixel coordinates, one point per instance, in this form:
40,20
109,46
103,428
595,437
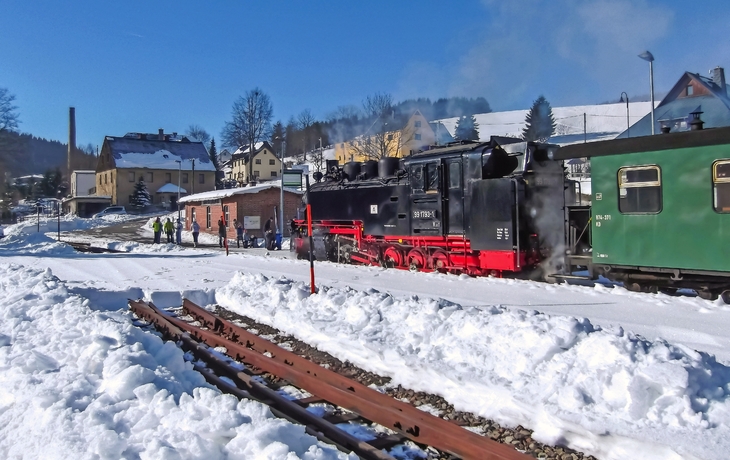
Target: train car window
454,174
432,178
640,190
417,178
721,185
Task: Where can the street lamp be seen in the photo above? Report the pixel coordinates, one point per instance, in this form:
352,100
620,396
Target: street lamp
623,93
281,191
179,173
647,56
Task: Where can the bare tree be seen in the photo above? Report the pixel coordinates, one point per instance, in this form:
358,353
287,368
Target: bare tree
198,133
305,121
384,136
8,116
251,123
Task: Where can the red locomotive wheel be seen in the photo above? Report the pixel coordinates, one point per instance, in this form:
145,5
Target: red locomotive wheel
416,260
440,260
393,257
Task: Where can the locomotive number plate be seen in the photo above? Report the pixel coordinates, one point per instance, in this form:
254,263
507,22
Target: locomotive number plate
424,214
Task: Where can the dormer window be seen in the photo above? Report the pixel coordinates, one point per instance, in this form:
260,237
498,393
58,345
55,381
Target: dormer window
165,156
690,90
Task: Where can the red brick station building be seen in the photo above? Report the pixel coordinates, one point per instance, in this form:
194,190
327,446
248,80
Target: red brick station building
252,205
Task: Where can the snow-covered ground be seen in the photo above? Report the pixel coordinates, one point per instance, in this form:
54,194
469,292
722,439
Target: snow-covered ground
610,372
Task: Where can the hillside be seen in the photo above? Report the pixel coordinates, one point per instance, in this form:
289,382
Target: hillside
24,154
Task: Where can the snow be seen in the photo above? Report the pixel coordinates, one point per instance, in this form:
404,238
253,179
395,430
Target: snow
603,121
225,193
171,188
160,159
610,372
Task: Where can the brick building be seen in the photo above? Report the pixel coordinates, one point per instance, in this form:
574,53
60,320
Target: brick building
251,205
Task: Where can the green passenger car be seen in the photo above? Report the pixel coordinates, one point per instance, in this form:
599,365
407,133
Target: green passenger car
661,210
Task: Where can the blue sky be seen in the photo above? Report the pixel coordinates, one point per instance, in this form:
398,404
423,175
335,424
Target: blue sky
143,65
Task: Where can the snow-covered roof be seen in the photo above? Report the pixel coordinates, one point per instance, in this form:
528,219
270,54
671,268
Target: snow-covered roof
170,188
242,150
129,152
225,193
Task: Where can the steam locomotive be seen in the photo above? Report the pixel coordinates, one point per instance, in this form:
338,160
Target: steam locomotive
658,216
479,208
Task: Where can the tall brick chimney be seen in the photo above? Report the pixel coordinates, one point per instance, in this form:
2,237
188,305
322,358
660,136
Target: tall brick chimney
161,135
718,77
71,138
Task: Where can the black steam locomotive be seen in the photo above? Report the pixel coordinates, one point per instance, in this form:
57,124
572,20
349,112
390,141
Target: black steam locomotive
488,208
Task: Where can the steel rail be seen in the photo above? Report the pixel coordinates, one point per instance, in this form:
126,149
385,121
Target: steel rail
280,406
404,418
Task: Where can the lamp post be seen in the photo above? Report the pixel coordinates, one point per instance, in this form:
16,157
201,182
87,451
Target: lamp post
179,173
281,191
647,56
623,93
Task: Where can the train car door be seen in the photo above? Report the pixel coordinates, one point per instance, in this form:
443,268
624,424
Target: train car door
426,208
454,202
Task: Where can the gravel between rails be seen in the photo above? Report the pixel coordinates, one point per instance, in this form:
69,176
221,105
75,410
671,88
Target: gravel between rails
519,437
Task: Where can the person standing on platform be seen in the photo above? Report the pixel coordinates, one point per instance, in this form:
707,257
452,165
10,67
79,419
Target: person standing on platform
239,235
178,232
157,229
196,232
221,232
169,229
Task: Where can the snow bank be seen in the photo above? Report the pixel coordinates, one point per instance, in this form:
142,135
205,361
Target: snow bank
83,384
606,392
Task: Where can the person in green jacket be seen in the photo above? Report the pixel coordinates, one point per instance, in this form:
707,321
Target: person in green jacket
169,230
157,228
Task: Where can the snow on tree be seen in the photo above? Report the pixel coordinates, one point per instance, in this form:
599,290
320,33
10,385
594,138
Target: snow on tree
540,123
467,128
140,197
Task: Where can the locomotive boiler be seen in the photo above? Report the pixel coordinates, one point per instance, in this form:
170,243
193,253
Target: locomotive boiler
480,208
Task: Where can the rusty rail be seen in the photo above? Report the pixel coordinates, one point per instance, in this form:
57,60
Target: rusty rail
326,385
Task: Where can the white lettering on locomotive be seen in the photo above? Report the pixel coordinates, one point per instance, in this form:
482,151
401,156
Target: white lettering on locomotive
424,214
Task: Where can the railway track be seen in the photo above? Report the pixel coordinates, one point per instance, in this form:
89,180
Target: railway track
356,401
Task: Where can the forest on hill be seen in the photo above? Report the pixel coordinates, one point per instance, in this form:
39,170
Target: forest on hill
23,154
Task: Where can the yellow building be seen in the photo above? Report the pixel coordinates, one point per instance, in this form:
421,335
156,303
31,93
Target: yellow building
392,137
265,164
161,161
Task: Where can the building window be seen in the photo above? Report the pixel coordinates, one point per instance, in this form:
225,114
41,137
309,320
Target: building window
272,162
274,174
390,137
640,190
201,178
227,216
721,185
417,123
255,174
131,177
168,178
417,136
342,145
106,179
258,161
690,90
207,217
185,178
150,177
99,179
111,177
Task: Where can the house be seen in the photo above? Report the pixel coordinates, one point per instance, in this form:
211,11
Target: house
692,93
252,205
397,136
162,161
263,164
83,201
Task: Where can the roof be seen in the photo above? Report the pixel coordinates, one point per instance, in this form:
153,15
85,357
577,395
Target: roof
649,143
225,193
715,107
170,188
243,154
129,152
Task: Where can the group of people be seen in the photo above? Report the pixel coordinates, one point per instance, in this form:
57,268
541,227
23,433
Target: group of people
242,238
169,228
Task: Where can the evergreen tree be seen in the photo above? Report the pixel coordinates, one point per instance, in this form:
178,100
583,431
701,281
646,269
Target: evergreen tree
213,154
467,129
540,123
140,197
277,136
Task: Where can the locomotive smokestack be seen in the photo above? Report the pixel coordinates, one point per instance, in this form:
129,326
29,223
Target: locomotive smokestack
71,137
